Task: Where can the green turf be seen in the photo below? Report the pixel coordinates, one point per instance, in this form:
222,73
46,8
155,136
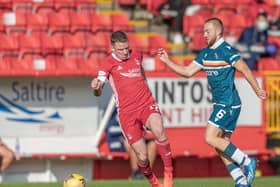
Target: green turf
198,182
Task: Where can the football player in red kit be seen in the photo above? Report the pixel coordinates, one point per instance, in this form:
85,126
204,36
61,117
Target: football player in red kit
137,108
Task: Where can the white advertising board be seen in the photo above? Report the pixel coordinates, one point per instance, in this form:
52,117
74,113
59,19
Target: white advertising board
47,107
61,115
48,114
187,102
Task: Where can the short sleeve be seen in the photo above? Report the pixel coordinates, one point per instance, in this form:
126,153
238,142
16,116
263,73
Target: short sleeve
231,55
199,59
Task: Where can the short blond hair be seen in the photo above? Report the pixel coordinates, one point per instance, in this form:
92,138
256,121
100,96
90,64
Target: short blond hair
217,23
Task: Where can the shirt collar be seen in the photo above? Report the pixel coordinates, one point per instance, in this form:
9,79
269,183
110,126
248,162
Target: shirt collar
217,43
116,58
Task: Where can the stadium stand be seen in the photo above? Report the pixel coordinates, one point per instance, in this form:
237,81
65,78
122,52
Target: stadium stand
29,44
58,22
74,44
268,64
51,44
120,21
80,22
100,23
36,22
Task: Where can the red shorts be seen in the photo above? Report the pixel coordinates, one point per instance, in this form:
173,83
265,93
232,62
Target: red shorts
132,122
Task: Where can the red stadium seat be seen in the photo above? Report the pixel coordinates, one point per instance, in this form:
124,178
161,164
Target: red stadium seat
89,66
17,25
244,2
155,42
143,2
197,41
23,6
51,44
192,24
226,18
9,45
21,67
127,2
237,27
51,63
100,23
138,43
120,21
60,5
79,22
4,67
88,5
268,64
201,2
32,56
274,40
205,11
29,44
6,4
46,67
224,2
2,27
43,6
66,67
74,44
59,22
153,5
97,43
36,22
225,8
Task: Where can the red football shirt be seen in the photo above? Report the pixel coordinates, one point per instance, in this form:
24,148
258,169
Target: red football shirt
127,81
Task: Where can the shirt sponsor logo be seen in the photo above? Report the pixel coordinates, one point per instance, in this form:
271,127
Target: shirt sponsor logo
132,73
119,68
212,73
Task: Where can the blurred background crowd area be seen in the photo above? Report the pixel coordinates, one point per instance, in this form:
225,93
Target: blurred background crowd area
57,37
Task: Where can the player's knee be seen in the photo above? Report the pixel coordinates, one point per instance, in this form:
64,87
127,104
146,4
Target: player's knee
8,155
161,136
210,140
142,158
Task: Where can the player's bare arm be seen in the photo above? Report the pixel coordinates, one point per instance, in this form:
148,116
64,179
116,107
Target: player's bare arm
185,71
242,67
97,86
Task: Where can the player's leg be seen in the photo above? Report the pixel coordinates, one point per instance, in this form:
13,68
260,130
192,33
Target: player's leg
155,124
231,151
226,118
133,131
143,163
6,155
135,173
234,169
152,151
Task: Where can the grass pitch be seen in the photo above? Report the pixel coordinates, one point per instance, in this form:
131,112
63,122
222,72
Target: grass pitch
198,182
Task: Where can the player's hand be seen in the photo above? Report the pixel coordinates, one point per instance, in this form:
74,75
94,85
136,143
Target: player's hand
162,54
96,84
261,93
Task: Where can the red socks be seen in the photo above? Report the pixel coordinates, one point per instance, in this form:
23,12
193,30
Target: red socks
163,148
146,170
